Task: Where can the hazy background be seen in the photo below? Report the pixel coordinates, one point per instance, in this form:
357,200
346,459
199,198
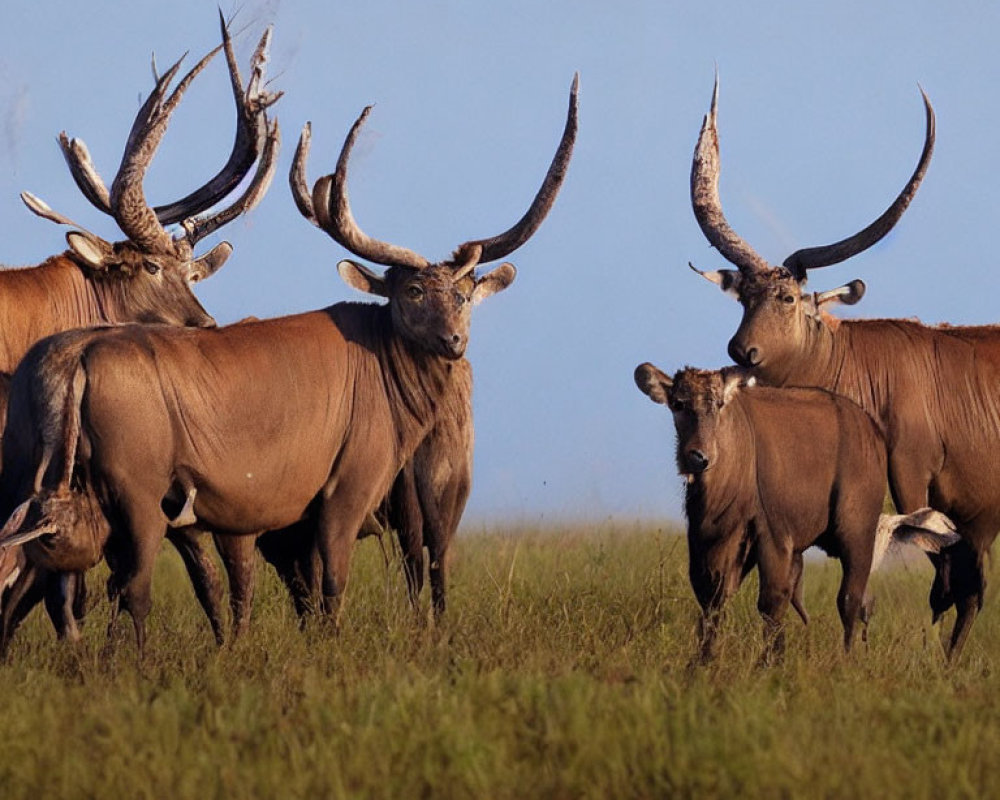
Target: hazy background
820,121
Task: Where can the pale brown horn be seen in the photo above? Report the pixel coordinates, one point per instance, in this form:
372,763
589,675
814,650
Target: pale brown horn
812,257
197,228
251,135
507,242
128,203
297,176
252,132
705,197
332,211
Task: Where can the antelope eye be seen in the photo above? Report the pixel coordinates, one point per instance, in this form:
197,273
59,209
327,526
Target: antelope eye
151,267
788,298
414,292
461,299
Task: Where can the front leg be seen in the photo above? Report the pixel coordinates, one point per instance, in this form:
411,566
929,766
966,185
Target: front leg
775,560
237,553
342,511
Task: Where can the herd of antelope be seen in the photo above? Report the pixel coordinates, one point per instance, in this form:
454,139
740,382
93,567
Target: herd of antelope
130,416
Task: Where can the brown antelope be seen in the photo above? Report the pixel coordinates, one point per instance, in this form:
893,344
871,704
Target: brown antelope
305,419
771,472
941,443
144,278
424,507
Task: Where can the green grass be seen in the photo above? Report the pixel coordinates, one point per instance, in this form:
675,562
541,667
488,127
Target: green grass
562,670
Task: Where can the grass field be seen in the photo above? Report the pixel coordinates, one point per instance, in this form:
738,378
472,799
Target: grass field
561,671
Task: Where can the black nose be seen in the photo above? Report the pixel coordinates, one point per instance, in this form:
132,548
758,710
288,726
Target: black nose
745,358
697,461
454,344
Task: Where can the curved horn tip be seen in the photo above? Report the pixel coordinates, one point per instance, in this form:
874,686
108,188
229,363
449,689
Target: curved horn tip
575,86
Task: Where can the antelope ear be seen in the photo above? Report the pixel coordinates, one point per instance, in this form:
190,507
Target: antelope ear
90,249
729,280
653,382
494,281
847,295
359,277
732,379
206,265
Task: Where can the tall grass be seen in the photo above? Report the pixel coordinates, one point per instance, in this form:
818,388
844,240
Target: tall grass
561,670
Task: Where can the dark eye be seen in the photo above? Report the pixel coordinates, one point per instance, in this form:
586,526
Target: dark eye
151,267
415,292
678,405
460,299
788,298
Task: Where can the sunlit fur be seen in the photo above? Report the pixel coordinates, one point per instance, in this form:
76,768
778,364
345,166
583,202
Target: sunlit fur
779,470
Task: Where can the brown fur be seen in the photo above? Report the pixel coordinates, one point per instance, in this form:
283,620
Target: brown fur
935,391
770,473
351,391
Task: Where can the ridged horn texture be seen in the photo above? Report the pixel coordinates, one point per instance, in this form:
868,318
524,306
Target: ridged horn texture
256,141
507,242
812,257
332,210
705,197
328,206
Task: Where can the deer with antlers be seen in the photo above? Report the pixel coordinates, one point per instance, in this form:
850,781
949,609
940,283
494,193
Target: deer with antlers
144,278
264,425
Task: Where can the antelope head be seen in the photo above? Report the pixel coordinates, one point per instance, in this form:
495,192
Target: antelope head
430,302
779,315
150,269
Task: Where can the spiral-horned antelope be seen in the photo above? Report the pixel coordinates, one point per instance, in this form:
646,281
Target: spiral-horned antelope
934,390
302,420
145,278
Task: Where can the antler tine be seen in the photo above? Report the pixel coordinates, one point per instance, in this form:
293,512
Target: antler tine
332,211
84,172
251,133
131,211
297,176
499,246
705,196
198,229
38,206
78,158
813,257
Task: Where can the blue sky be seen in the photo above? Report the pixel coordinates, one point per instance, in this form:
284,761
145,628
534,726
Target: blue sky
820,122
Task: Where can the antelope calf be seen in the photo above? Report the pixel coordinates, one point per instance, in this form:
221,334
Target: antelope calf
771,472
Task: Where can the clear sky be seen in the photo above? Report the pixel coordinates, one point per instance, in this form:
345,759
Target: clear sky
820,121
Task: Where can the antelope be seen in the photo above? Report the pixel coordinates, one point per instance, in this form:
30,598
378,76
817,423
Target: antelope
264,425
771,472
144,278
941,443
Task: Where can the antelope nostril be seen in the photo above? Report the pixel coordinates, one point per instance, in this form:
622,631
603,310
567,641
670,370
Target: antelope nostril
697,460
745,358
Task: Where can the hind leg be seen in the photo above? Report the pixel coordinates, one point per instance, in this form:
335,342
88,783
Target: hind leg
852,594
204,576
797,591
27,591
60,597
968,586
146,528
